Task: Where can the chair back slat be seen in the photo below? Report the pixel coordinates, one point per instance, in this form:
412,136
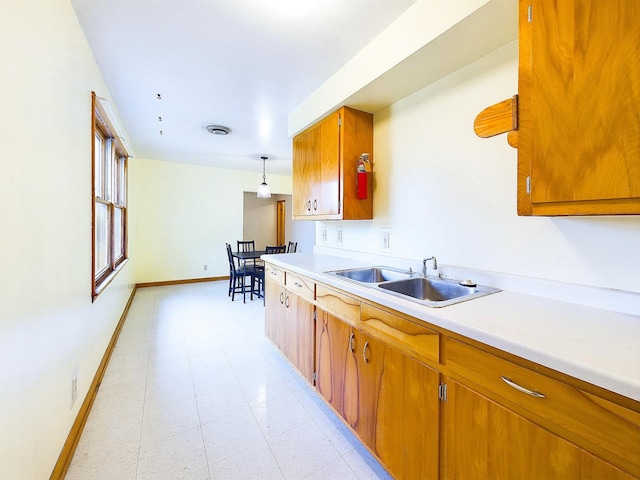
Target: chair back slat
275,249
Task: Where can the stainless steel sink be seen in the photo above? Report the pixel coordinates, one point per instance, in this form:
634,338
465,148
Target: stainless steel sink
428,291
372,274
436,292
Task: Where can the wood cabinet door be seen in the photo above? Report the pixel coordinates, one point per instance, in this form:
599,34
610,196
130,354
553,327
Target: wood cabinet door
399,410
328,174
579,92
337,366
274,313
483,439
316,169
421,421
300,334
381,403
306,158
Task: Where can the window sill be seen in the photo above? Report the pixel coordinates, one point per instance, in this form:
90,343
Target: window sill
107,280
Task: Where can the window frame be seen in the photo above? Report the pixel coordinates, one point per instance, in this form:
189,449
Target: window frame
110,188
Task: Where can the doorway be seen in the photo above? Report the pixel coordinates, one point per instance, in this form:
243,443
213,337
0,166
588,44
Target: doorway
280,222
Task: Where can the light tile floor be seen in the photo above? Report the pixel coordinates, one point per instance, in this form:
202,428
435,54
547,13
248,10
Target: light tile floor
195,391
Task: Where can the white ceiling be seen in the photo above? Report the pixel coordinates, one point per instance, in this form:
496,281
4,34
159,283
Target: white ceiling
241,63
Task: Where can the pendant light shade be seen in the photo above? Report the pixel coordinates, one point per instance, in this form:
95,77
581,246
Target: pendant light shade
263,190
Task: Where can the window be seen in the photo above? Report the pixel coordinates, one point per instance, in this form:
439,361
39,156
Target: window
109,226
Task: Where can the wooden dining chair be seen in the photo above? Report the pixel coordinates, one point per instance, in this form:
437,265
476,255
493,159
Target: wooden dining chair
277,249
250,246
238,278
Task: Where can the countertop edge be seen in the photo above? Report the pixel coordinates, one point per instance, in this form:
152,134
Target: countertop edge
597,346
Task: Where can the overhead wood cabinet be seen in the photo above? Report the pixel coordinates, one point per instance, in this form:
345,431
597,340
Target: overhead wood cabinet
579,104
325,158
575,119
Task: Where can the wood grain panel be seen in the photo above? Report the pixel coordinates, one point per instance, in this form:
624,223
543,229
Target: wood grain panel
274,311
415,340
339,304
580,91
421,421
356,137
274,273
300,336
605,429
486,440
496,119
301,286
305,171
381,391
336,366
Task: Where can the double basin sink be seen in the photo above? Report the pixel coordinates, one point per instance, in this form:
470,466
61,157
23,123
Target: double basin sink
429,291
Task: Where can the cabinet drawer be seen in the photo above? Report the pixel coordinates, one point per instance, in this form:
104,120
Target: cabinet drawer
338,304
416,340
604,428
274,273
301,286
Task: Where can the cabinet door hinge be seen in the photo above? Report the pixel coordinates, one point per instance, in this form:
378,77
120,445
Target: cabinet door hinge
530,13
442,392
529,185
339,121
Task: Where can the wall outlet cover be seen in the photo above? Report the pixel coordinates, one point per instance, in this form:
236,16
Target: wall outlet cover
385,240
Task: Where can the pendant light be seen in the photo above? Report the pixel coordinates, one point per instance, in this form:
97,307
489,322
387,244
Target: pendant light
263,190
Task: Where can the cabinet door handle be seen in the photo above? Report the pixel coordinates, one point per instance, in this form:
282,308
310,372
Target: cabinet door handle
513,384
364,352
315,204
281,297
351,345
309,205
286,301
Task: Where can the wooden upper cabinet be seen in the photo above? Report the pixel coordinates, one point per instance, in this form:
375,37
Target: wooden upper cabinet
325,157
579,107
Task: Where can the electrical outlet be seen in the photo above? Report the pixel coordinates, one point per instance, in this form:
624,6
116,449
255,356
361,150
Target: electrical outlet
205,267
339,235
74,386
323,235
385,240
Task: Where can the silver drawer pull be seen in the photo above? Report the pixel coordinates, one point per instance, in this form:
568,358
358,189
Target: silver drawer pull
297,284
512,384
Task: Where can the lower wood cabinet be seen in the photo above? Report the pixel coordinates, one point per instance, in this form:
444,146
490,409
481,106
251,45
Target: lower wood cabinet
435,405
389,399
289,323
483,439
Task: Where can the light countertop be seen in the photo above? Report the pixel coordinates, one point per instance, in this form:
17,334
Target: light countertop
594,345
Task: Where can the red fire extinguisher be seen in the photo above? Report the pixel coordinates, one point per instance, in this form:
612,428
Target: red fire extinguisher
361,176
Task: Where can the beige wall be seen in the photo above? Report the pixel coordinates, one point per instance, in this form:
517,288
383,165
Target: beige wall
48,325
184,214
260,222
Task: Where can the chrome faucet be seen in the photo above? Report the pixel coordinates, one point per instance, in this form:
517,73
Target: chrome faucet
424,265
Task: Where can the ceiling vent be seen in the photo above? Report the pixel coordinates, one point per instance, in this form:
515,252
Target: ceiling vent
218,129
